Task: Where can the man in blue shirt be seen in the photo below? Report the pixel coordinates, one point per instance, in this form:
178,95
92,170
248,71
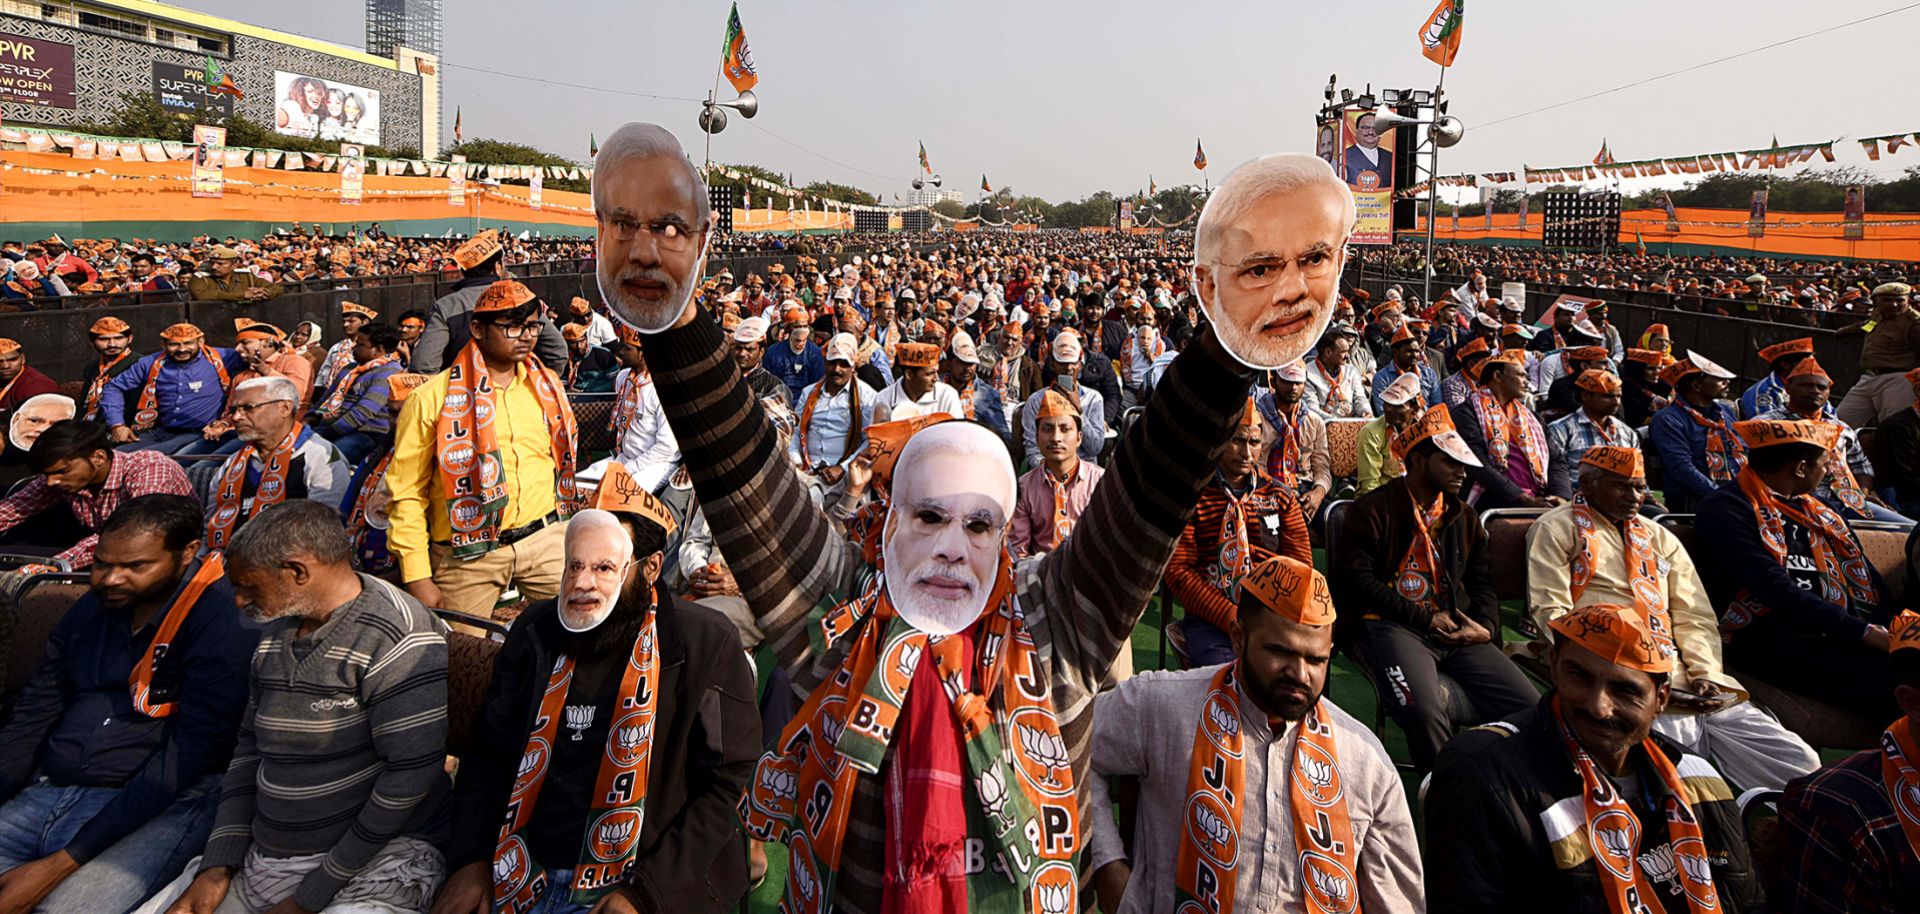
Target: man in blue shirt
174,394
1694,435
353,415
797,362
129,747
1771,393
1408,356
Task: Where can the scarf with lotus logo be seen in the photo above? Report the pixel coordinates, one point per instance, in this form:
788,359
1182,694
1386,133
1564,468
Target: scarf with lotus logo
1846,577
1898,760
1018,778
619,792
1613,834
1209,857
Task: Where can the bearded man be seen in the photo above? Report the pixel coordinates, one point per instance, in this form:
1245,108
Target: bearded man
880,742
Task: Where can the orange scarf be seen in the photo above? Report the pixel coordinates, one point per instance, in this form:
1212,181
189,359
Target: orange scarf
853,418
1899,755
228,496
1845,576
1724,452
628,406
1205,869
1643,566
1419,580
1839,474
339,359
147,412
100,382
1236,549
1283,459
1062,521
1020,777
336,402
619,793
1504,426
467,453
1613,833
140,681
1338,404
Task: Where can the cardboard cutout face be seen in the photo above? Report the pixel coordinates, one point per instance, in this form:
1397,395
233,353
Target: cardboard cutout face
946,527
33,417
1271,285
651,242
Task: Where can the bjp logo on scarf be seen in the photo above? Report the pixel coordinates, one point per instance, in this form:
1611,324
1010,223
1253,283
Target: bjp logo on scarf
1615,836
613,835
1053,889
1413,586
510,869
1696,874
1319,776
1212,828
533,766
1221,723
467,514
458,459
1328,883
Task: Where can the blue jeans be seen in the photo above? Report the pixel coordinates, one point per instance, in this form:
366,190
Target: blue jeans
1206,644
556,900
162,440
1873,512
43,819
201,445
355,446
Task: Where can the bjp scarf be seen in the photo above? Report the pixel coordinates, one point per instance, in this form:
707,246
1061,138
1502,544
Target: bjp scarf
1062,521
467,453
1283,459
853,417
1845,576
1724,452
336,402
272,490
100,382
147,412
619,793
628,406
1339,398
1613,834
1204,869
1419,581
1898,755
1236,549
339,359
357,525
1643,565
1126,358
140,681
1839,473
1013,796
1507,425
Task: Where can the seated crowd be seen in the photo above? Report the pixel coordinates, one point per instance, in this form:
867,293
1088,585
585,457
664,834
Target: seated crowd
861,573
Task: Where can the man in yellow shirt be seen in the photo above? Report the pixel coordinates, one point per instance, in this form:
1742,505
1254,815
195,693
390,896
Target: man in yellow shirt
1401,404
483,463
1597,550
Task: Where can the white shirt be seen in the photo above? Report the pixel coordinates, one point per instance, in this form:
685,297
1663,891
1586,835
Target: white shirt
600,330
941,399
827,429
1093,424
647,447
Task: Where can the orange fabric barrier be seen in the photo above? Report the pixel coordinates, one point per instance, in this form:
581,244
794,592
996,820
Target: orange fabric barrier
780,220
1888,236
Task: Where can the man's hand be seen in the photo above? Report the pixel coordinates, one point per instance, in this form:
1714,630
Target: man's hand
1467,632
428,593
1110,884
1877,639
122,435
26,885
1528,501
1443,625
1310,502
832,474
469,890
288,906
618,901
714,580
207,891
215,429
859,475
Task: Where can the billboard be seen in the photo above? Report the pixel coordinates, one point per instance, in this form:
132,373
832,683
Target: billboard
36,72
209,160
314,108
1853,213
1366,162
182,89
353,165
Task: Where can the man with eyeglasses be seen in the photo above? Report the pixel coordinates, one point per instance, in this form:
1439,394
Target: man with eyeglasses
482,262
280,459
480,506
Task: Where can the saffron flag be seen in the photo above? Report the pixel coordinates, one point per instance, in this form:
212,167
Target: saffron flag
456,125
1199,156
1873,149
219,82
984,185
737,58
923,159
1605,156
1440,34
593,146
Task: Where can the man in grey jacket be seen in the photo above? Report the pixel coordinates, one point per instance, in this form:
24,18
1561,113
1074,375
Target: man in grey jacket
482,262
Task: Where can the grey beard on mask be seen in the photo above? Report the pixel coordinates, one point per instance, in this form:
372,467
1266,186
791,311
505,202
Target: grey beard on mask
615,633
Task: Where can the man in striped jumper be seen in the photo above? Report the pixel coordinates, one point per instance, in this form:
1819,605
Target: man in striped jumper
335,794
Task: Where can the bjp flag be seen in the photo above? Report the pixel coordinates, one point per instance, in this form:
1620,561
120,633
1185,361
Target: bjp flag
737,62
1199,156
1440,34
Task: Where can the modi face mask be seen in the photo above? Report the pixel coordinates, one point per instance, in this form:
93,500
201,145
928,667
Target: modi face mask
952,496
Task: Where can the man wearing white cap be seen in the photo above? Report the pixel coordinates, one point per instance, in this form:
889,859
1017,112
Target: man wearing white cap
1891,348
1064,361
1694,436
834,414
1376,462
960,368
1297,455
749,343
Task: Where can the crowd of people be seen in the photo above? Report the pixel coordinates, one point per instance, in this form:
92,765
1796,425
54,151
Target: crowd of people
933,487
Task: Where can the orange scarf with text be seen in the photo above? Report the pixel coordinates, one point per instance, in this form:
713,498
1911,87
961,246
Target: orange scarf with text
1613,834
1062,521
467,451
1845,576
1236,547
1724,453
229,494
1899,756
1419,581
147,412
628,406
619,793
1205,870
1505,426
1643,566
100,382
1283,459
1017,780
140,681
1840,476
336,402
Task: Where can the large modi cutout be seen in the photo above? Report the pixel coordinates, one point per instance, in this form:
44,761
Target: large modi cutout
952,496
654,226
1267,256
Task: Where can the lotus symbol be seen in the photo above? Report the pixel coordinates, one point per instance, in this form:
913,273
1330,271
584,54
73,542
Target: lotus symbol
1617,841
1328,884
830,728
1055,899
909,660
993,790
779,783
579,718
1223,719
1696,867
1317,772
528,763
614,834
629,738
803,875
1658,863
1045,748
1211,825
507,864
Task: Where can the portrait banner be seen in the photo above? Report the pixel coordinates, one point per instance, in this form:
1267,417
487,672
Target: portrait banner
1326,144
1523,208
1367,167
1757,215
1673,216
353,165
1853,213
535,184
209,160
457,181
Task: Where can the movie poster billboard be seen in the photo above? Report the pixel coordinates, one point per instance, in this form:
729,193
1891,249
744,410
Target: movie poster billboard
1853,213
209,160
535,184
457,181
1757,215
353,167
317,109
181,89
36,72
1367,165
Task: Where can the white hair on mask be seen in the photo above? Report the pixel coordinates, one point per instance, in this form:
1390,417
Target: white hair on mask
592,520
965,439
1279,173
636,140
65,403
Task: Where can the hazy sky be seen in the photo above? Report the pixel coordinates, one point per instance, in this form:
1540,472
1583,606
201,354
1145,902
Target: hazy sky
1063,97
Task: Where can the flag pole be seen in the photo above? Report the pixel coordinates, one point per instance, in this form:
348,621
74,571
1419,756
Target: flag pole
1433,191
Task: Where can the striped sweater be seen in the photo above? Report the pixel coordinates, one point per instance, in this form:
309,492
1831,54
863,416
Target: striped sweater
1275,526
343,740
1081,601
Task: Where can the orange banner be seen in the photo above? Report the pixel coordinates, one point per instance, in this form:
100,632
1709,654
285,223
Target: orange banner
1884,236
